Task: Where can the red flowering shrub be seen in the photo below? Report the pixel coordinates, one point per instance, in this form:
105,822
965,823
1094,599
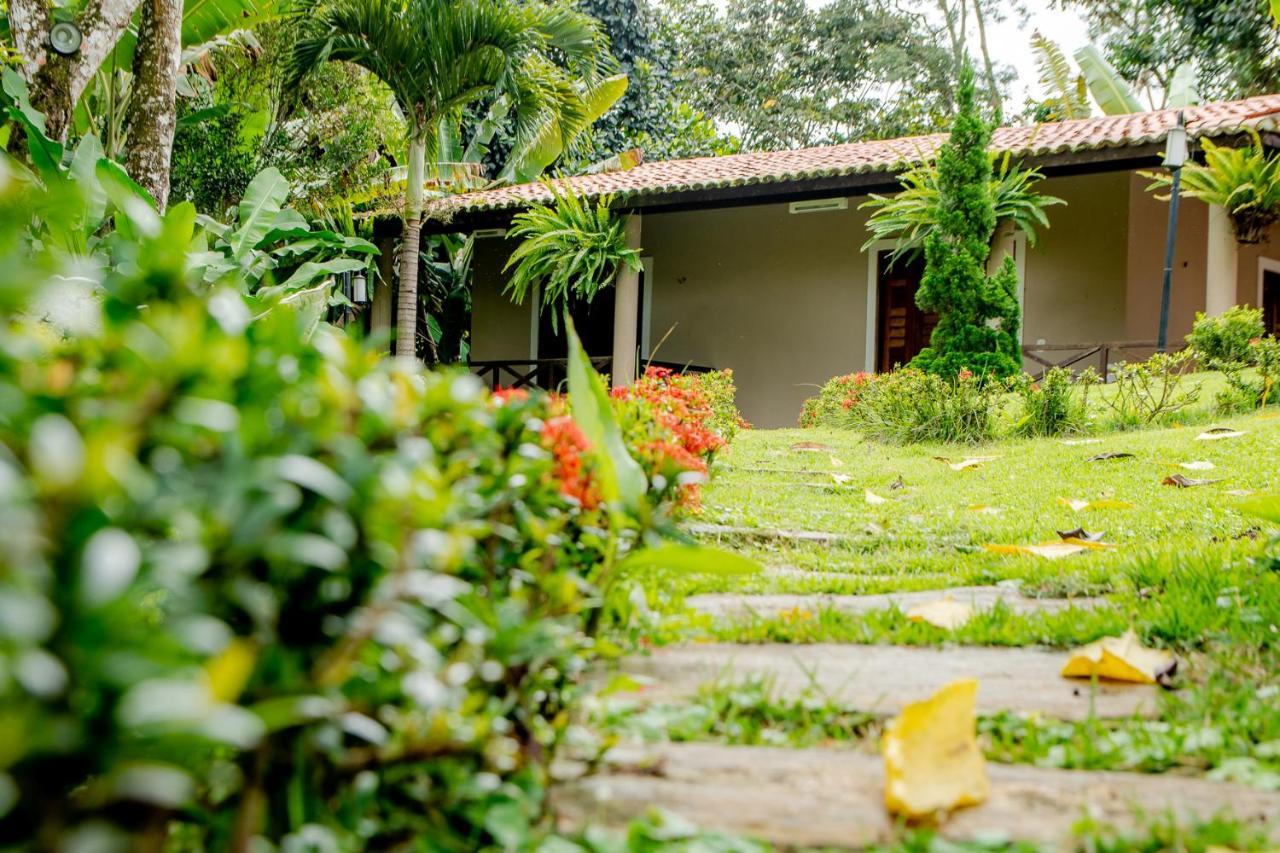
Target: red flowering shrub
833,405
668,419
568,446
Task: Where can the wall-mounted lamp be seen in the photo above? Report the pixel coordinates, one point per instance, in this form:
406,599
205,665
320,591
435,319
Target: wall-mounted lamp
65,38
360,289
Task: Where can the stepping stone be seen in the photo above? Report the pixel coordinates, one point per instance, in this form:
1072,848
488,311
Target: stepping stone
821,797
979,597
699,529
881,679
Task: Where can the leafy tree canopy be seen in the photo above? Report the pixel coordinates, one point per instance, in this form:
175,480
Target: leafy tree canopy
784,74
1233,44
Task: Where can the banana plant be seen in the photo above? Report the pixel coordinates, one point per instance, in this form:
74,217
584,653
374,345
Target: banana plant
1112,93
273,247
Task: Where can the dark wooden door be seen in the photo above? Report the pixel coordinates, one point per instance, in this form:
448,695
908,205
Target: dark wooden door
902,329
1271,302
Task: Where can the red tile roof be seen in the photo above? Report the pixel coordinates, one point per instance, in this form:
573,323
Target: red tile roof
735,170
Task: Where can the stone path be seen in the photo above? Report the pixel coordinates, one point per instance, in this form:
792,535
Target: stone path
883,678
763,533
819,797
979,597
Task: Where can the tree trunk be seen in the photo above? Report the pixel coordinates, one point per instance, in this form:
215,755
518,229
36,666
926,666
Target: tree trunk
381,309
407,305
986,57
57,82
154,109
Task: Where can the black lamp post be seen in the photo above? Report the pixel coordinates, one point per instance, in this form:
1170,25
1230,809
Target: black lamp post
1175,155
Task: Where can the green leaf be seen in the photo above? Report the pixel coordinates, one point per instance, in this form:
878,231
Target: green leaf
1267,508
689,559
620,475
84,164
1109,89
258,210
204,19
1275,10
304,275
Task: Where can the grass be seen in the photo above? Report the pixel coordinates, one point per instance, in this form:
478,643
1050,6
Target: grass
1189,571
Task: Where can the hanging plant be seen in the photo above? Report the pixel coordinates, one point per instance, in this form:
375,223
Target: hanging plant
569,248
1243,181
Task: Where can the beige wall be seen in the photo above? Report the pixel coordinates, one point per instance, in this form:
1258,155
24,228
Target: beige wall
1247,269
500,329
1075,274
779,297
1148,225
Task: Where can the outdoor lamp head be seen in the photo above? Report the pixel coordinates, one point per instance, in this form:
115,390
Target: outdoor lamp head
1175,150
359,289
65,38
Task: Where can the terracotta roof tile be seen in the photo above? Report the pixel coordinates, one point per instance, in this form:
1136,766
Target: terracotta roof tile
1090,134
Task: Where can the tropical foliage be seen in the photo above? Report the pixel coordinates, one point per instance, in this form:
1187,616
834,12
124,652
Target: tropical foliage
911,215
1245,181
1067,90
570,250
978,315
548,60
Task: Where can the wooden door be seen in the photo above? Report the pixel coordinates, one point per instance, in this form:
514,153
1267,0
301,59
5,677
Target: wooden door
902,329
1271,302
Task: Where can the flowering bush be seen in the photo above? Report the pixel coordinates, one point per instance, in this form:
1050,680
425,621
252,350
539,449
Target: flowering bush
833,404
668,420
264,588
718,388
907,406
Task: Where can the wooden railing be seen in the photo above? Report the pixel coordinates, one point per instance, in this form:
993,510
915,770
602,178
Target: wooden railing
1080,357
550,372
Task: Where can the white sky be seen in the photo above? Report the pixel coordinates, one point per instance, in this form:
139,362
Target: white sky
1011,43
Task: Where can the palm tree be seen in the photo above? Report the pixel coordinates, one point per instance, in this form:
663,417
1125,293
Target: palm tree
438,56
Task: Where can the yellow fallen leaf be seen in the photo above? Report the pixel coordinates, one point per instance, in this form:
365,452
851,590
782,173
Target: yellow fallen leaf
1120,659
971,462
841,479
931,758
1198,465
228,672
983,509
1049,550
944,613
836,462
1075,503
873,498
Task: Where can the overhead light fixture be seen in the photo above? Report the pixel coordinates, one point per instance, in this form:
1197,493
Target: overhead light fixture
65,38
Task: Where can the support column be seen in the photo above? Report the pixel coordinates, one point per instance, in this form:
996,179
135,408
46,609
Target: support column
385,234
626,313
1221,261
1002,246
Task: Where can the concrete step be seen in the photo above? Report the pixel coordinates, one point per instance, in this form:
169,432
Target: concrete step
832,797
881,679
979,597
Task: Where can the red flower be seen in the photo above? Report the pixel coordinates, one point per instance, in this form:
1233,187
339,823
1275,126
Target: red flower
568,445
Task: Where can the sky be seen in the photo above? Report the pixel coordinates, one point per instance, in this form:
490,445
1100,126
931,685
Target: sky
1011,44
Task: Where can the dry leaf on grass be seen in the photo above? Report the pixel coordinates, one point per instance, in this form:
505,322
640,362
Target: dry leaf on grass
1121,659
932,762
965,464
1198,465
1112,454
1219,433
811,446
1073,442
1082,535
872,498
897,484
836,463
1182,481
983,509
1049,550
841,479
945,613
1238,493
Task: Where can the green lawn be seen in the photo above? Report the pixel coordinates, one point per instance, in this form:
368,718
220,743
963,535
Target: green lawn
1188,571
